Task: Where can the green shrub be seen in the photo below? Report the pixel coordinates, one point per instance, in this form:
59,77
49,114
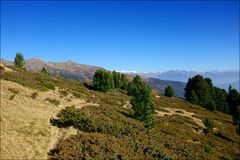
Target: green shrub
44,71
209,125
207,148
71,116
12,96
13,90
53,101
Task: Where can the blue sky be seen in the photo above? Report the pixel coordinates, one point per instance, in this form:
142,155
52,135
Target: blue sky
142,36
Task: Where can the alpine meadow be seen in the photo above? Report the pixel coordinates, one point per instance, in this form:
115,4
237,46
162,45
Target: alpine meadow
120,80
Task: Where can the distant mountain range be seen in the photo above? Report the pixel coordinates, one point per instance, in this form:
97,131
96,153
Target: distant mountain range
157,80
220,79
72,70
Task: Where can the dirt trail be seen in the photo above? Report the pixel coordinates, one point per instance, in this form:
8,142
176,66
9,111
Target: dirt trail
26,132
181,112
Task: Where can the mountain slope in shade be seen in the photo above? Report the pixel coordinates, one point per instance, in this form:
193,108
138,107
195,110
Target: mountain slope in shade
74,70
160,85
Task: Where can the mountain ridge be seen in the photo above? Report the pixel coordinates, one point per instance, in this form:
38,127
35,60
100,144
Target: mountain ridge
73,70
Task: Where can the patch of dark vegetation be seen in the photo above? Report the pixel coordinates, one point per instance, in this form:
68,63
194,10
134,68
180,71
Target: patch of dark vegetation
101,146
53,101
71,116
34,95
63,92
12,96
13,90
209,125
45,80
178,111
220,135
1,68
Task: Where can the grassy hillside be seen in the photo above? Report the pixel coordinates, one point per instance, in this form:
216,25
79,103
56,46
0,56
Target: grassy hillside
35,110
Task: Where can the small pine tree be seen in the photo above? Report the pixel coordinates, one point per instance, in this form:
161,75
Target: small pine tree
143,108
169,91
193,97
19,61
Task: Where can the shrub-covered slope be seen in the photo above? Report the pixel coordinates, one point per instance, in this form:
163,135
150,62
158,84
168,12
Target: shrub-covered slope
104,127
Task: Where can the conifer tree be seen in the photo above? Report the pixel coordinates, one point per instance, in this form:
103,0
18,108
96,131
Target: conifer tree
102,80
124,82
193,97
143,108
19,61
169,91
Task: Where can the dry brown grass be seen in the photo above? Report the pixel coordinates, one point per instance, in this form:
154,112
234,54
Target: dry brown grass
181,112
26,132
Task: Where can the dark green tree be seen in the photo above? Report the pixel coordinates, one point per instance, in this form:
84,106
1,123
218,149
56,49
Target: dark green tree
220,99
201,89
142,106
211,89
102,80
232,100
124,82
236,116
130,88
19,61
211,105
193,97
169,91
117,79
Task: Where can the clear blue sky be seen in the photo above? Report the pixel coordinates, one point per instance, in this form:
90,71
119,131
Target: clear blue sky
142,36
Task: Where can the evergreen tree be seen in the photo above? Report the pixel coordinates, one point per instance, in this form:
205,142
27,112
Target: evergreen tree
102,80
143,108
220,99
124,82
19,61
236,116
201,89
232,100
193,97
211,89
169,91
117,79
130,88
211,105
